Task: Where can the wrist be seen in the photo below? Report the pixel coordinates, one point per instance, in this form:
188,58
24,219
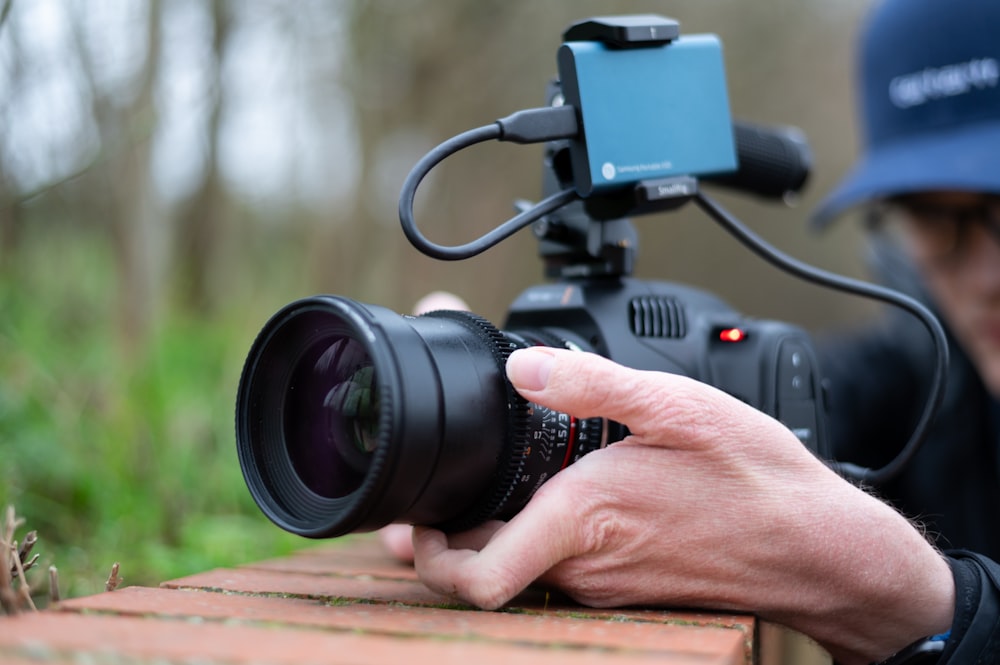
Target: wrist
874,585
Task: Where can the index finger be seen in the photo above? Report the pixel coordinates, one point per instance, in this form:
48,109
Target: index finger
674,408
504,567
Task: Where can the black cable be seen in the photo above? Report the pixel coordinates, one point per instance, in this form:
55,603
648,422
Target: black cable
550,123
528,126
831,280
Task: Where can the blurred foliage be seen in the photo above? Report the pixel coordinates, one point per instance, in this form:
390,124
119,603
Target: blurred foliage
128,298
111,456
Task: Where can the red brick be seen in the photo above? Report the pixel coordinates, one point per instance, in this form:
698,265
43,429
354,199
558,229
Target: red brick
363,557
248,580
616,632
112,638
330,563
347,601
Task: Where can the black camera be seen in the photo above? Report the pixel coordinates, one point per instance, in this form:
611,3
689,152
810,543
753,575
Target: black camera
351,416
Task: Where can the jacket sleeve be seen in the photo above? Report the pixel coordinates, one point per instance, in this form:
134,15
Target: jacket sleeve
975,631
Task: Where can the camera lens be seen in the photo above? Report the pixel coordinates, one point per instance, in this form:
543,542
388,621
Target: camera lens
350,417
332,421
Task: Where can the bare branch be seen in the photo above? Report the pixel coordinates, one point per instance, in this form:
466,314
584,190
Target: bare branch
22,554
23,589
53,585
11,522
13,564
42,190
5,12
8,599
113,579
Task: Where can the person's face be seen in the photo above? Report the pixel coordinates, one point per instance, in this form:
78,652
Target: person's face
954,239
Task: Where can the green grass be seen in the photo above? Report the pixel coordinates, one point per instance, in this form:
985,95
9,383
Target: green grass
112,452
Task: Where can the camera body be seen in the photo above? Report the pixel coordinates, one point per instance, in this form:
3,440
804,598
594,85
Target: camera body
669,327
350,416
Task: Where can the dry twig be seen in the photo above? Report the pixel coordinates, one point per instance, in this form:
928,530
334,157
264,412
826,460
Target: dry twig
23,589
11,522
13,564
8,599
113,579
25,550
53,585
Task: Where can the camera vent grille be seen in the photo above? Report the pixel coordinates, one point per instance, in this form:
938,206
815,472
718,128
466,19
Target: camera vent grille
653,316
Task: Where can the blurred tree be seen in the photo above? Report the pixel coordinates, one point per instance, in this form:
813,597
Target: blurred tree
199,229
9,208
9,218
126,204
422,71
350,94
417,74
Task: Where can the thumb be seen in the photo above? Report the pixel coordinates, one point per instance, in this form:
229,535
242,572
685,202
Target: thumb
582,384
585,385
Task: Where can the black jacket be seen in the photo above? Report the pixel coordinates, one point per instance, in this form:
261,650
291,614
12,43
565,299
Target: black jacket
877,383
876,386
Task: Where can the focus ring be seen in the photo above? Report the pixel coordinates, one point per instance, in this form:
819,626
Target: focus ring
516,441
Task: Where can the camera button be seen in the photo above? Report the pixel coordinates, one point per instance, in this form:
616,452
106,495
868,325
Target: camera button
795,372
800,417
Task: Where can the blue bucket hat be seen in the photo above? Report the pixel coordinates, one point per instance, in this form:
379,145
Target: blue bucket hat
929,93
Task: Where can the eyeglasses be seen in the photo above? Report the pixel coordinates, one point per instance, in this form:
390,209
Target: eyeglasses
938,231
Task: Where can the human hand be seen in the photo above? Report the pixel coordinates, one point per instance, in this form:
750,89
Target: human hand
437,300
708,503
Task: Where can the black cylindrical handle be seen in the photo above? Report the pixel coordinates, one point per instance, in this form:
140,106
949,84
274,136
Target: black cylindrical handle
774,161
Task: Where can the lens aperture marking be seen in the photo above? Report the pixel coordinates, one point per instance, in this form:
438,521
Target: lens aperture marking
556,440
572,436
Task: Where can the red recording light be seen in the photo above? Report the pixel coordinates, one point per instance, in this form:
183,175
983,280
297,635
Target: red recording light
732,335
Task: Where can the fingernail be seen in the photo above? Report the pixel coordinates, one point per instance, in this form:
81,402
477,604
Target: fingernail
529,369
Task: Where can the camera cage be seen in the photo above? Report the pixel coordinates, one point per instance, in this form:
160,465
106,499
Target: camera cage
586,237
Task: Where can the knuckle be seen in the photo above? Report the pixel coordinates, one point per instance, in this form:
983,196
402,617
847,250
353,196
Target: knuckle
586,582
600,388
487,592
487,588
